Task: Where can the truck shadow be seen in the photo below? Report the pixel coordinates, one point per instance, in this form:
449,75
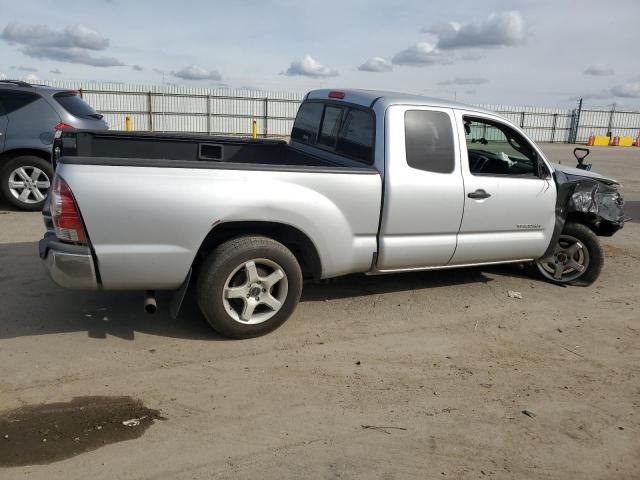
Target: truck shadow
32,305
632,211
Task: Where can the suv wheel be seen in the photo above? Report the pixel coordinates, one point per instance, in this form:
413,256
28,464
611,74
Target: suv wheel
25,181
249,286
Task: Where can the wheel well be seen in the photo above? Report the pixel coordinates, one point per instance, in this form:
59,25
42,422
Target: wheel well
18,152
596,224
292,238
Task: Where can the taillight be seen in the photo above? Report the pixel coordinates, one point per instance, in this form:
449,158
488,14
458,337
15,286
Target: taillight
336,94
65,214
62,126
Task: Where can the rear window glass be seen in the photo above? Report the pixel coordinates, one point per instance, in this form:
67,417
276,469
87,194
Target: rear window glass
73,104
356,136
429,141
305,128
10,101
330,125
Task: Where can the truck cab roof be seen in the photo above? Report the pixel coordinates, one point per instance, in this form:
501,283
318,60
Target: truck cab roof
384,99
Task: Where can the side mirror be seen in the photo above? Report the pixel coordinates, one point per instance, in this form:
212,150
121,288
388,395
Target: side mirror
581,154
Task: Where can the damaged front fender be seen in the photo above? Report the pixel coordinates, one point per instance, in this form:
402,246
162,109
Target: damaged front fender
595,203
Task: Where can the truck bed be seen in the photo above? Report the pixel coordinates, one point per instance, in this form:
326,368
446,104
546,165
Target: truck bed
142,148
148,201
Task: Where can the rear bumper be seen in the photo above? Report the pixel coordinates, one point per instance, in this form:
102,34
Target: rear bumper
70,266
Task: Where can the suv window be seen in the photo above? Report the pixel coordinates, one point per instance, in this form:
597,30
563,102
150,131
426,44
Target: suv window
12,100
496,149
75,105
305,128
429,141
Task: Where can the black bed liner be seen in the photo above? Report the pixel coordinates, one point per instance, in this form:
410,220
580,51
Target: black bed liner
187,151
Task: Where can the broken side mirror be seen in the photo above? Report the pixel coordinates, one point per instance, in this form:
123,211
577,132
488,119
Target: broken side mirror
581,154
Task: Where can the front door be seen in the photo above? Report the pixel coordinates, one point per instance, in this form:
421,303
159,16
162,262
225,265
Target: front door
509,201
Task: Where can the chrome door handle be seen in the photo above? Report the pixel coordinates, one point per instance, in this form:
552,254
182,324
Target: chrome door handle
479,194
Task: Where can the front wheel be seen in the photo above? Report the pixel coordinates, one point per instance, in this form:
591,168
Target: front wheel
577,258
249,286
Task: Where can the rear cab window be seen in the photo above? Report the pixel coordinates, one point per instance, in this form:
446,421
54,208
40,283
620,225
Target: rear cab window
75,105
342,129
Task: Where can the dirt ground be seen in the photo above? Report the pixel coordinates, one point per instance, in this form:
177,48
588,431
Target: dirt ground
445,363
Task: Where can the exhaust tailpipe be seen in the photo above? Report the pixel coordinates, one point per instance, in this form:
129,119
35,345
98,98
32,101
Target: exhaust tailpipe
150,305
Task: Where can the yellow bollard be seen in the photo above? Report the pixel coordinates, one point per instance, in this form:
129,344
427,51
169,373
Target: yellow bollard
254,129
127,123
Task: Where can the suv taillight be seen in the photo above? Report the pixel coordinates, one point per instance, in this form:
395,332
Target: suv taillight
65,214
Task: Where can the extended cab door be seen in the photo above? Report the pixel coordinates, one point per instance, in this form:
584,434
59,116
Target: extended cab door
423,191
510,196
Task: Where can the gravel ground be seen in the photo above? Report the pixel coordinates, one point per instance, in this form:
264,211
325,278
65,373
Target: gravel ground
422,375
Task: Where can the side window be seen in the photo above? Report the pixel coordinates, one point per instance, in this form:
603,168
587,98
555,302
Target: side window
497,150
355,139
12,100
330,125
305,128
429,141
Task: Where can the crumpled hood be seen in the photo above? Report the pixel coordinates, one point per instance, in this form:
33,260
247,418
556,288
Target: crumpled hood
583,173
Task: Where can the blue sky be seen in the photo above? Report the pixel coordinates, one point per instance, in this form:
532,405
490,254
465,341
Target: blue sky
492,51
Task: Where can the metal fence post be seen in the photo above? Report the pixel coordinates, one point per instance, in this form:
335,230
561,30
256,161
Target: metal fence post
610,123
553,127
208,114
522,119
150,110
266,117
575,124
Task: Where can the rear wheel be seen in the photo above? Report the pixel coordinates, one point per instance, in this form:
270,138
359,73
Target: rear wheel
577,258
249,286
25,181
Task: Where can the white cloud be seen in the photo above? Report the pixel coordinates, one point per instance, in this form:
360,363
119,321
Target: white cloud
376,64
196,72
79,36
309,67
504,28
71,55
420,54
31,78
71,45
599,70
24,69
627,90
55,71
464,81
137,68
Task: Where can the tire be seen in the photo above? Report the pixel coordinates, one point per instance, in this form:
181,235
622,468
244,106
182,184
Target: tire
228,287
578,246
30,168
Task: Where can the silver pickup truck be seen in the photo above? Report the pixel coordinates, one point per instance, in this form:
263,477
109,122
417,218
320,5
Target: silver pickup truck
370,182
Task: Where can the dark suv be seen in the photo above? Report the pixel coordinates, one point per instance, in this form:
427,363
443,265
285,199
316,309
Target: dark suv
29,117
